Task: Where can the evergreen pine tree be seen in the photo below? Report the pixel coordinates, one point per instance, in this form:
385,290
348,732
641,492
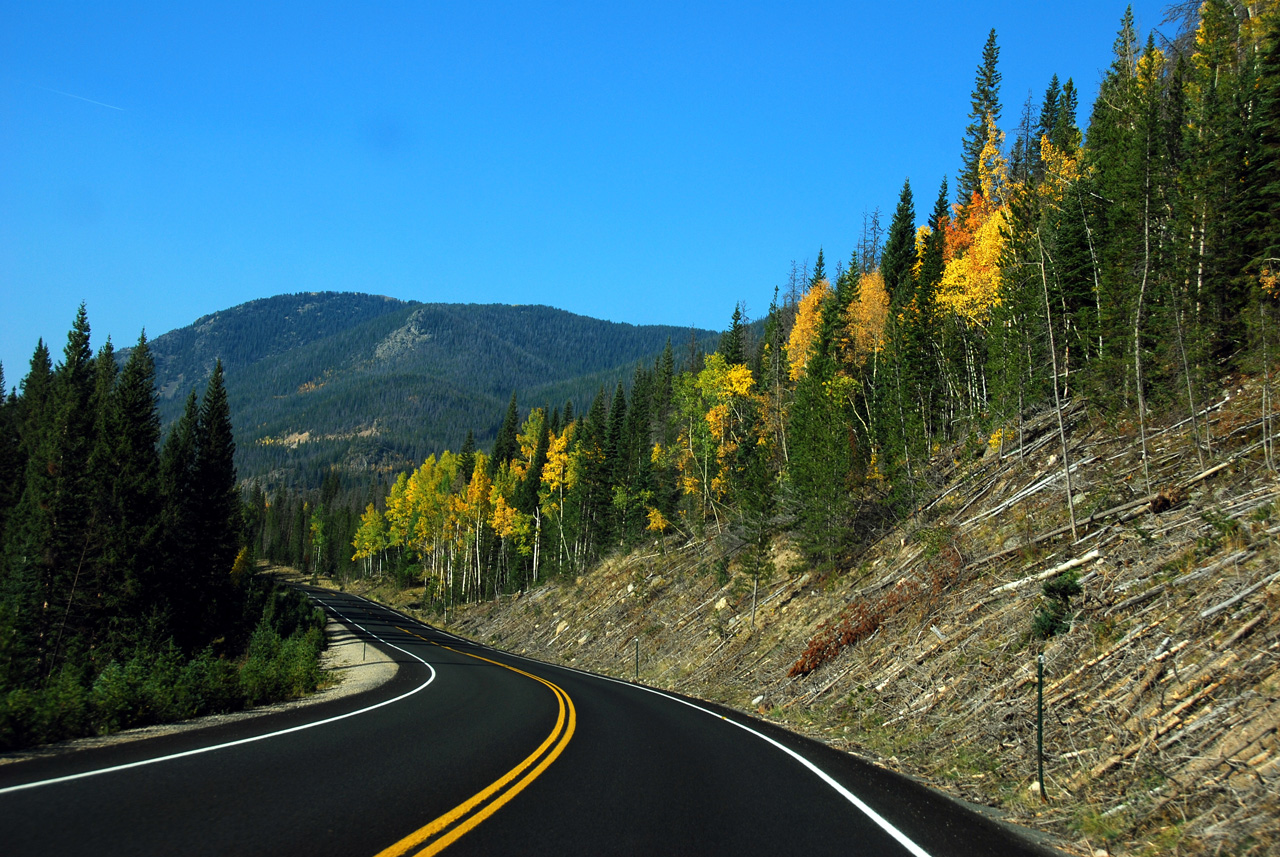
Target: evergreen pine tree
592,497
1066,134
1113,158
74,384
822,455
135,496
48,539
661,426
1023,156
614,449
926,370
178,587
1259,207
215,476
984,110
1050,107
27,555
505,445
102,595
732,345
900,251
11,461
467,457
819,271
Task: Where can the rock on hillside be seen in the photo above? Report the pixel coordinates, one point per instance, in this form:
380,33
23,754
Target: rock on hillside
1162,698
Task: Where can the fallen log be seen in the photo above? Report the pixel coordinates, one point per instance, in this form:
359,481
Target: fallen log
1237,598
1045,575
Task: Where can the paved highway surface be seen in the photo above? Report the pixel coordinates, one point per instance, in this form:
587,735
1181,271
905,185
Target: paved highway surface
480,752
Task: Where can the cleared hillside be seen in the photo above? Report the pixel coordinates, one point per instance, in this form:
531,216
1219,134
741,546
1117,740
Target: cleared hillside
1162,699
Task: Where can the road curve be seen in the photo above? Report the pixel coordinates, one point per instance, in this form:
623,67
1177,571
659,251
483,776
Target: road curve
475,751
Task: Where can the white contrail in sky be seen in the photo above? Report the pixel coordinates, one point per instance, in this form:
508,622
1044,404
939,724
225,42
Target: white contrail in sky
81,97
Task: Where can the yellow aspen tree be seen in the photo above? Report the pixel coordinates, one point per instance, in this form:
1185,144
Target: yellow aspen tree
558,476
370,539
527,443
808,326
864,319
399,513
1061,171
658,522
970,286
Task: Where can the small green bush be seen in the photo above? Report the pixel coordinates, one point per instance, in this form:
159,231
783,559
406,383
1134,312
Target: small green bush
279,668
148,684
1053,617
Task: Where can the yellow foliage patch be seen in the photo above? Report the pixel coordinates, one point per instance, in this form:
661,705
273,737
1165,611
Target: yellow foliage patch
970,285
804,334
865,318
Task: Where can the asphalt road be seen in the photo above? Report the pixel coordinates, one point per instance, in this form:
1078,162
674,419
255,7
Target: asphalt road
480,752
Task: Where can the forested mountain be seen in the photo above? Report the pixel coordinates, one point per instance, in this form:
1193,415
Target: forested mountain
366,382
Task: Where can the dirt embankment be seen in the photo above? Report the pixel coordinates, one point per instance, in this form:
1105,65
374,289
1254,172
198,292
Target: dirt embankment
1162,700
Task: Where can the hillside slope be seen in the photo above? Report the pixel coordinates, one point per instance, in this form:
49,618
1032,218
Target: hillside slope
366,382
1162,699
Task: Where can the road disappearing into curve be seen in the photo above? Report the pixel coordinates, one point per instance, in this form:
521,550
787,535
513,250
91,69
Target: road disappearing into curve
471,750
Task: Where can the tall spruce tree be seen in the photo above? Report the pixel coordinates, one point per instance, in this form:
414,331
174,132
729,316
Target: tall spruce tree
1113,160
135,545
1050,107
984,111
67,541
215,474
505,445
467,457
24,621
11,461
1259,205
822,453
900,251
819,271
179,585
732,342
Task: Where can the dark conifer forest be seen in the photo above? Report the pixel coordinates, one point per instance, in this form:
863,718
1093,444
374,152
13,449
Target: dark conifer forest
127,594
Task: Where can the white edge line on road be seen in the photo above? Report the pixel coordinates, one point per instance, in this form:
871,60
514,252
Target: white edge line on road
199,750
870,813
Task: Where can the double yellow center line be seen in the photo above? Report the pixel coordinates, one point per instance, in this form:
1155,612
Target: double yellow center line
448,828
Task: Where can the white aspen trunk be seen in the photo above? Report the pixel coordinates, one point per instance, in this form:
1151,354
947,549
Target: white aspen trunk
537,539
1268,450
1057,402
1137,331
1186,373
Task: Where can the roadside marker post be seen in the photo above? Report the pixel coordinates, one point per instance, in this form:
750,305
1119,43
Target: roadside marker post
1040,725
637,660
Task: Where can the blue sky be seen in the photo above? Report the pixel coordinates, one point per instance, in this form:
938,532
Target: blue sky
647,163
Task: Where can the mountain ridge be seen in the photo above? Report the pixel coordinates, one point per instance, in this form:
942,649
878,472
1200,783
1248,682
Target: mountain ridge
361,382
